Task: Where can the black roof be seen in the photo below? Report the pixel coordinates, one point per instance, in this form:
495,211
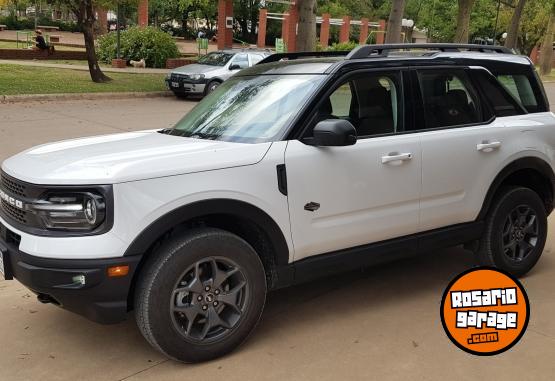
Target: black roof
391,55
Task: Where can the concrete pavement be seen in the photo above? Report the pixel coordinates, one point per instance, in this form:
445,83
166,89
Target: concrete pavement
379,324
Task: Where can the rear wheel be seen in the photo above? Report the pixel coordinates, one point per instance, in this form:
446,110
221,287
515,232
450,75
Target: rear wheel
201,296
516,231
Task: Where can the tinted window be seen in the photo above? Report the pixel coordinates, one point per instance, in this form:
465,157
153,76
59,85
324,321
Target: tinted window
519,86
370,102
501,102
449,99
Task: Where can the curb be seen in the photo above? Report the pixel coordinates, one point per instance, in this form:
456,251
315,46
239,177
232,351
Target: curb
81,96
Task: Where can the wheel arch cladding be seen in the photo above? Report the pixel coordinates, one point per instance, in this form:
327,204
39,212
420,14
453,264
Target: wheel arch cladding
529,172
243,219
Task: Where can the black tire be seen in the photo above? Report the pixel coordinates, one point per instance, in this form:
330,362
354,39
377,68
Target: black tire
211,86
161,310
516,231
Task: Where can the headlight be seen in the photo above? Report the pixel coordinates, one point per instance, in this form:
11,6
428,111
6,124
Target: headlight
196,77
169,75
70,211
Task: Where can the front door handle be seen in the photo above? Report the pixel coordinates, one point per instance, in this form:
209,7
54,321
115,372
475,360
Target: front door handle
396,157
488,146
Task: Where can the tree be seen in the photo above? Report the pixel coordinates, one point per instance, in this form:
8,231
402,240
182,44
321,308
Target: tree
463,20
306,34
393,33
512,32
546,52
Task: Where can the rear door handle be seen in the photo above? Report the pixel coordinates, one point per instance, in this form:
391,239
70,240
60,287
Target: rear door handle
396,157
488,146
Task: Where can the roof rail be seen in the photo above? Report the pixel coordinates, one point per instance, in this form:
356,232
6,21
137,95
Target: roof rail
366,51
294,56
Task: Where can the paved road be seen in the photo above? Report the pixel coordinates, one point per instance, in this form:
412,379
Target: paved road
378,324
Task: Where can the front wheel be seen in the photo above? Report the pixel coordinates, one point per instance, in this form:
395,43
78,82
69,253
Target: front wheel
212,86
516,231
201,295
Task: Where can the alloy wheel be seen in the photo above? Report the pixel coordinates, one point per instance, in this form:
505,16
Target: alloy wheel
520,233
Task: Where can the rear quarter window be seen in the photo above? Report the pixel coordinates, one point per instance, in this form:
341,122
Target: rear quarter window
519,86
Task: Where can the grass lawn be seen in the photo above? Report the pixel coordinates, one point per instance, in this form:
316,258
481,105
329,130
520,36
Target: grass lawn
16,79
13,45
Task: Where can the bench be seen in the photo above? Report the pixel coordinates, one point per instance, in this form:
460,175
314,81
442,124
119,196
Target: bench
2,27
48,28
55,38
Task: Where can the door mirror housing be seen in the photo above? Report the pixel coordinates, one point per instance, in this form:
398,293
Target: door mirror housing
234,67
333,133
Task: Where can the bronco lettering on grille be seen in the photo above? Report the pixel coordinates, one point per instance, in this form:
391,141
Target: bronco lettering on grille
10,200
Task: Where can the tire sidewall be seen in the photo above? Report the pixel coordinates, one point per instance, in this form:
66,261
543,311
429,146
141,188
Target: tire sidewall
176,258
510,200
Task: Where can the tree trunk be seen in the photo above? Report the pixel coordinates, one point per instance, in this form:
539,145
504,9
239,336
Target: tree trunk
306,33
394,23
546,51
512,32
85,16
463,21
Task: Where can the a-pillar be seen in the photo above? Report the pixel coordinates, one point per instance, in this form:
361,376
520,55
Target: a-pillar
325,30
262,22
142,13
363,37
225,34
380,36
344,34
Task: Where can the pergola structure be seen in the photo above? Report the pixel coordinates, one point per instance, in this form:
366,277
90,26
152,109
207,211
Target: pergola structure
290,19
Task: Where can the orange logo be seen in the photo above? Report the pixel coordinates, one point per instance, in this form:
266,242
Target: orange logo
485,311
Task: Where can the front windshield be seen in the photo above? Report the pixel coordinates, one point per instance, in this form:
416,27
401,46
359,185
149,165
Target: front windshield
215,59
248,109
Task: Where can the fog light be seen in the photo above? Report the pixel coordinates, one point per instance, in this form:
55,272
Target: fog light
79,279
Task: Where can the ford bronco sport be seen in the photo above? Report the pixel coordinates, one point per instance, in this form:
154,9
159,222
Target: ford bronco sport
299,167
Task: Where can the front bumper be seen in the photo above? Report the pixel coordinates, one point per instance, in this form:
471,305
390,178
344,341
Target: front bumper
186,87
101,299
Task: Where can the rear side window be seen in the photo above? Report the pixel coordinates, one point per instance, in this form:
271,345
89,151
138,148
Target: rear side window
500,100
449,98
519,87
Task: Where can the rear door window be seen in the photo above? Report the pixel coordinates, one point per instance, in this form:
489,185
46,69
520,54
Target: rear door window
519,86
449,98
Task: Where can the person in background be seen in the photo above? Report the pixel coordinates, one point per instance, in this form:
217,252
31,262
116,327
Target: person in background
201,34
41,42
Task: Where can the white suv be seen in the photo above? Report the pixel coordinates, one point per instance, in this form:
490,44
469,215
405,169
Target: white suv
296,168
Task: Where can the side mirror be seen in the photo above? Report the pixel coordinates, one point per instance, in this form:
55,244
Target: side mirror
334,133
234,67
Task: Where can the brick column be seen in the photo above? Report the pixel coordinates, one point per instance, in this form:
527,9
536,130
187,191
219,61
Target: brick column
291,31
142,13
225,35
345,29
534,55
325,30
363,31
380,36
262,20
284,27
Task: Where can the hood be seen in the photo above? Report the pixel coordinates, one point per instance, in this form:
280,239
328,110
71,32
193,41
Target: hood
196,69
126,157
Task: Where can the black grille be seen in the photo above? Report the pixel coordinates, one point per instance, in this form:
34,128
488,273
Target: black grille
13,186
177,77
15,213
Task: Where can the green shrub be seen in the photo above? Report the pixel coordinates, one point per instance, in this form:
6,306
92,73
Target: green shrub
343,46
29,23
152,44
